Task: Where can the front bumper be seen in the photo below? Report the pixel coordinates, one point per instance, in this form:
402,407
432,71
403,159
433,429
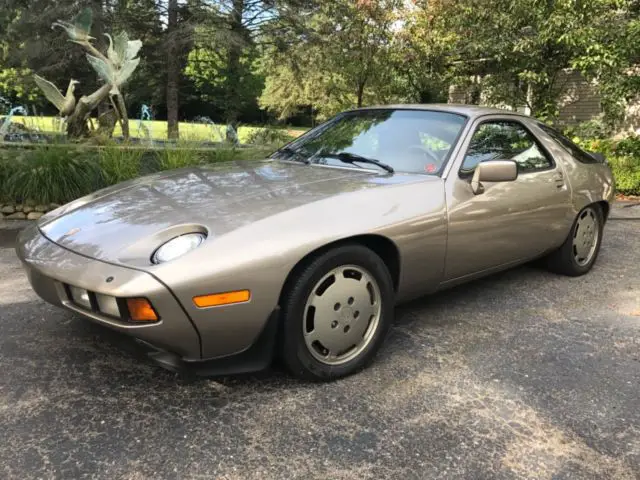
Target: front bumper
174,342
50,267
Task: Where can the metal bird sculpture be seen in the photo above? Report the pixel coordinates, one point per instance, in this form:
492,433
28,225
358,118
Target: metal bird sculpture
120,63
117,50
114,69
80,28
65,104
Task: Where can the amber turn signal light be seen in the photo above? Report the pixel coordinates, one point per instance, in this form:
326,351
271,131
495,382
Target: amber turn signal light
217,299
141,310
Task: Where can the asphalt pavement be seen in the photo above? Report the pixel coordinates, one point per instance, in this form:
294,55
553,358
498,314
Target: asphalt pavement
524,374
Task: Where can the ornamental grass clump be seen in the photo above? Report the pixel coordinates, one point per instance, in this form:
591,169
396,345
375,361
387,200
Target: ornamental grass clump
119,164
51,174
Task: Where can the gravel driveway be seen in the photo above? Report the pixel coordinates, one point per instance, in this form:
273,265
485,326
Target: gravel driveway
521,375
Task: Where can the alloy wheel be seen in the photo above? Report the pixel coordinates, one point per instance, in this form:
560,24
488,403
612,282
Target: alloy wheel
342,314
585,237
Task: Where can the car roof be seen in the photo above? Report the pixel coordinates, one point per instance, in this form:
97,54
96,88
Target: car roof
471,111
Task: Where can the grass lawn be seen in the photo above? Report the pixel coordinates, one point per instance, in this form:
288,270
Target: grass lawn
158,129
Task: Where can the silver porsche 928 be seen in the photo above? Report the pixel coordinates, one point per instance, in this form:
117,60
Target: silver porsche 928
305,254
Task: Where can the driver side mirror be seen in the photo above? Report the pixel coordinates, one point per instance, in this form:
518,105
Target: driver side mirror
493,171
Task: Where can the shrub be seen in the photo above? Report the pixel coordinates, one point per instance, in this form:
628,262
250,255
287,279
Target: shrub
626,171
6,167
218,155
118,164
52,174
268,136
256,153
623,157
605,146
595,128
179,157
229,154
629,146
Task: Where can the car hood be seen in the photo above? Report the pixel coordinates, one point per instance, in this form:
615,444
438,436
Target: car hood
123,224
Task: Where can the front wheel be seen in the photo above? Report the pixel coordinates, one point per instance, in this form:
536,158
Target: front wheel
580,250
336,313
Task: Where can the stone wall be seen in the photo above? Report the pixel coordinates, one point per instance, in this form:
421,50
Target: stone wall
27,211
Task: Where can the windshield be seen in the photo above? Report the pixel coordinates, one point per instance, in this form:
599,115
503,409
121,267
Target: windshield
410,141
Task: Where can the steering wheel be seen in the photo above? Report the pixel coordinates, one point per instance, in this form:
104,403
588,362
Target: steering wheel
426,152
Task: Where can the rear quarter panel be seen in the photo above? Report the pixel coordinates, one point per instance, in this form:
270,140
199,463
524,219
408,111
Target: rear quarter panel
589,183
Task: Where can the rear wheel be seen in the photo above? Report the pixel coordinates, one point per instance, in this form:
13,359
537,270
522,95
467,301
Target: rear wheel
580,250
336,313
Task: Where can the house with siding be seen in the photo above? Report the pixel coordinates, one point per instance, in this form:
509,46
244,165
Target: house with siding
579,101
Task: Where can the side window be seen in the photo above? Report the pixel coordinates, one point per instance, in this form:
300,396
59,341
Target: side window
568,145
505,140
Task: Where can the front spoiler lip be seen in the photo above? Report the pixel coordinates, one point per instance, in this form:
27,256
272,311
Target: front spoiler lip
257,357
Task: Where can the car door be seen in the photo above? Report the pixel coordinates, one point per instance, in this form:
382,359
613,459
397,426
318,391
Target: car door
509,222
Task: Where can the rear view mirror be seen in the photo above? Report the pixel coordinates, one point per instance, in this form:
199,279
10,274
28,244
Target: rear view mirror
493,171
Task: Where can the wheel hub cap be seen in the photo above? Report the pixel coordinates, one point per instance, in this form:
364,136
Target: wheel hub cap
585,238
341,315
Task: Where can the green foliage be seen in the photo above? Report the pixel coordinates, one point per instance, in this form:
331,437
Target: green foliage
300,58
6,162
61,173
344,61
521,48
627,174
629,147
219,155
118,164
15,84
625,147
423,52
51,175
268,136
171,158
623,157
611,55
594,129
297,82
229,91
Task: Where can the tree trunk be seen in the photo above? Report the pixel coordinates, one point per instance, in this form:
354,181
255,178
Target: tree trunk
360,93
97,27
362,80
173,72
528,110
233,62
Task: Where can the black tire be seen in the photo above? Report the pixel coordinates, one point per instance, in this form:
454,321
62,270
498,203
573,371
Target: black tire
563,260
293,350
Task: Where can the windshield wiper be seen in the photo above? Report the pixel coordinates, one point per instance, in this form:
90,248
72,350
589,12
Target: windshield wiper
352,158
294,155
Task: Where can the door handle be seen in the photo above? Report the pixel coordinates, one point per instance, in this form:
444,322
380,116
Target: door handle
559,180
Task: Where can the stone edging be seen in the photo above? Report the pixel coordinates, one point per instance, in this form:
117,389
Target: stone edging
27,211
